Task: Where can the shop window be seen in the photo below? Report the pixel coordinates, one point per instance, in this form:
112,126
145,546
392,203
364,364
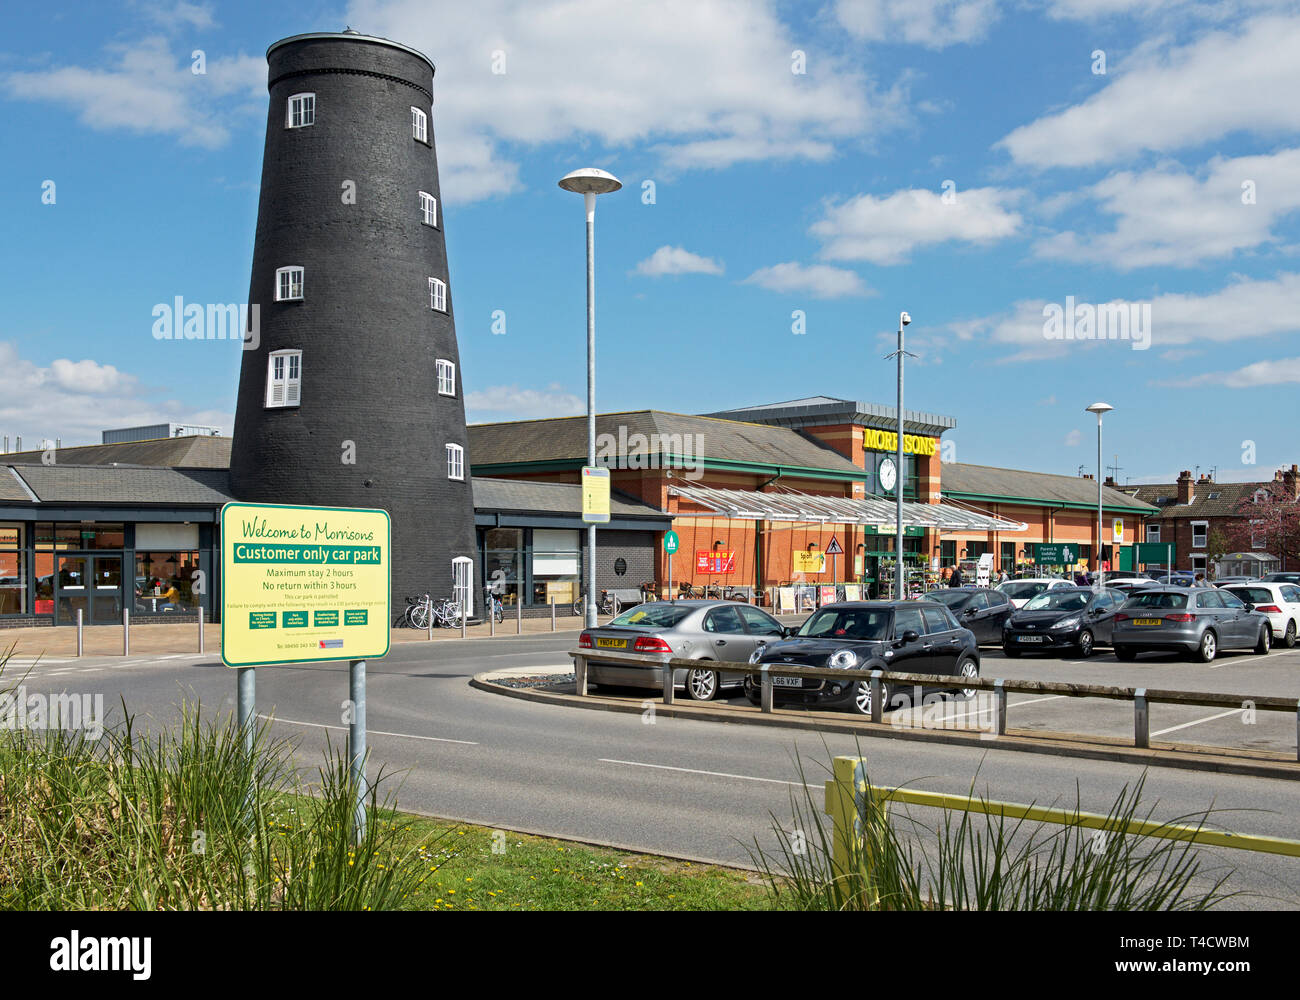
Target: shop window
503,561
437,295
455,462
284,379
555,565
164,581
13,581
419,125
288,283
428,209
301,111
446,378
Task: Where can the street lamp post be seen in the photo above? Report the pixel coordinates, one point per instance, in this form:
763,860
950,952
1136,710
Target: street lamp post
900,575
590,182
1099,409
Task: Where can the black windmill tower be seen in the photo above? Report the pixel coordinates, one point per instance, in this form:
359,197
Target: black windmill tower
350,394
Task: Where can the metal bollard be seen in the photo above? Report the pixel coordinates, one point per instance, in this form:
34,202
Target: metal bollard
669,676
552,614
1000,706
81,646
431,620
519,617
126,632
877,699
1141,719
766,701
580,675
492,617
462,621
200,628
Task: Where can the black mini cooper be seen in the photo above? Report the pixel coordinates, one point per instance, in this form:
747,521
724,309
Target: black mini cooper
919,637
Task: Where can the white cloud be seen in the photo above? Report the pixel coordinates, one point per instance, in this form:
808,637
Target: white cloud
935,24
181,14
821,281
676,260
1073,438
886,230
1246,309
75,400
511,402
150,90
705,83
1282,371
1168,98
1167,216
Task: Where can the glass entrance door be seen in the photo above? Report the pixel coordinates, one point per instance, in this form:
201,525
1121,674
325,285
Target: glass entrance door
91,585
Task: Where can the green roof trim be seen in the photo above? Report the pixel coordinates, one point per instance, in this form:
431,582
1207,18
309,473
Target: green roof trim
1039,502
675,463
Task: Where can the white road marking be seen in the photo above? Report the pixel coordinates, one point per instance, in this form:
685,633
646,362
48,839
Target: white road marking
371,732
1232,661
711,774
1208,718
990,707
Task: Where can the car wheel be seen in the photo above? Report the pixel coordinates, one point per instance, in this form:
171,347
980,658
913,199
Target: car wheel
1208,648
1265,640
702,684
1289,639
1085,643
1125,655
862,697
969,669
1010,652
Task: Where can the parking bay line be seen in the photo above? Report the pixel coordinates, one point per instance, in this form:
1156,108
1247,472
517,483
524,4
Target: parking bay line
711,774
1197,722
369,732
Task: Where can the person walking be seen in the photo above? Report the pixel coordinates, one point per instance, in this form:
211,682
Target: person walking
955,579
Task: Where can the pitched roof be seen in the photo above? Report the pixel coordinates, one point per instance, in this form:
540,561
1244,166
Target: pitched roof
564,439
197,452
550,498
91,484
822,410
987,481
1226,497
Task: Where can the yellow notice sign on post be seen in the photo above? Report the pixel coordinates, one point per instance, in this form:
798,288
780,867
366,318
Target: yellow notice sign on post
595,495
303,584
809,562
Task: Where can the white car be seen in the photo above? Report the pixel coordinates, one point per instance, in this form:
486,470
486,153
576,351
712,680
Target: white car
1280,601
1020,592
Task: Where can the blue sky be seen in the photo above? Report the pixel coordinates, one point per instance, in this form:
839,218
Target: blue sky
967,161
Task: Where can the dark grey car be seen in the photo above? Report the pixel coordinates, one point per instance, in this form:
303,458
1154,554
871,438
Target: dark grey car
1198,621
708,631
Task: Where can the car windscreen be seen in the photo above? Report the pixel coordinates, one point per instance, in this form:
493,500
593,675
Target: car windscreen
952,597
848,623
660,614
1163,600
1252,595
1019,590
1057,600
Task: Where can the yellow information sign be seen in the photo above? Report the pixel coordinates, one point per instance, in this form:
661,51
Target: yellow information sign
595,494
1117,529
809,562
303,584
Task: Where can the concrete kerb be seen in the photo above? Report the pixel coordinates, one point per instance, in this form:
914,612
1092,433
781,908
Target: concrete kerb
1217,760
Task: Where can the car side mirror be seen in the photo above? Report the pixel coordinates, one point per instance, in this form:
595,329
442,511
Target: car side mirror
969,613
787,631
1249,606
910,636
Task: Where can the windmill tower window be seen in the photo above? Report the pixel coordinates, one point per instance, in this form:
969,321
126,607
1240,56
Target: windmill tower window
288,284
284,379
446,378
301,111
455,462
428,209
437,295
419,125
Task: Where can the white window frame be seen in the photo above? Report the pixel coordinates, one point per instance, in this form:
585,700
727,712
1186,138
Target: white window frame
428,209
438,295
1205,534
280,273
1198,562
1153,532
456,462
1258,541
288,384
305,110
446,376
419,125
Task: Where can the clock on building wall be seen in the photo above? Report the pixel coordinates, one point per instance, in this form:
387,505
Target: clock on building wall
888,474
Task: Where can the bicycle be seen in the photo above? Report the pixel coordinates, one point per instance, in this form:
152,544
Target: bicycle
685,592
446,613
607,605
493,605
416,614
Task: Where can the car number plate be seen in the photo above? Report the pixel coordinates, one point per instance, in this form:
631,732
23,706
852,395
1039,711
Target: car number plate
612,643
1026,638
1147,621
787,682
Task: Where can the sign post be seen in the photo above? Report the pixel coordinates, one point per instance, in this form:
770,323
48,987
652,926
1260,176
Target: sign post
833,550
306,585
671,544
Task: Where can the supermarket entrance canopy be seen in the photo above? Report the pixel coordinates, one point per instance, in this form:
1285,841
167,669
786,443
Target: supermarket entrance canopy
791,505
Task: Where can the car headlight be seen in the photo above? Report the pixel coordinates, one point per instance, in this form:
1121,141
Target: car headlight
844,658
1067,623
757,654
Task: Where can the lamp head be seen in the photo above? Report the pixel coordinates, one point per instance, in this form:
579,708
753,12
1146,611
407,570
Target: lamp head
904,318
1099,408
590,180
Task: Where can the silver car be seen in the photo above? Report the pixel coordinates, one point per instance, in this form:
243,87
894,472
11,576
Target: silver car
1199,621
708,631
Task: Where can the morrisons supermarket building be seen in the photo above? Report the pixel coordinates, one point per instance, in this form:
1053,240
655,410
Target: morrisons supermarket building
760,498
